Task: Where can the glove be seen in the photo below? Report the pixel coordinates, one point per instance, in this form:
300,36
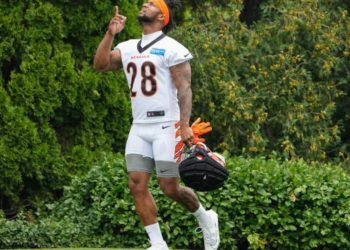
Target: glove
200,128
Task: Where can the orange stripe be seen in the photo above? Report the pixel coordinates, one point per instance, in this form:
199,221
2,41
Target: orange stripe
179,146
178,154
178,130
163,8
178,133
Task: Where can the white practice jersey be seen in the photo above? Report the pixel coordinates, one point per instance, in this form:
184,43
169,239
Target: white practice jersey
153,93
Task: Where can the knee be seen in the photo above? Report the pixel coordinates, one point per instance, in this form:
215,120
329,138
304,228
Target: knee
136,187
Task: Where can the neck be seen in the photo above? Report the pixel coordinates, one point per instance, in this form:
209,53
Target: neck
149,28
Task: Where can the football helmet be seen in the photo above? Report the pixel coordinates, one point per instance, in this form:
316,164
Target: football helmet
202,169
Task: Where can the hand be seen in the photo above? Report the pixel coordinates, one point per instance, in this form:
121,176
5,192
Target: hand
117,23
187,135
190,136
198,128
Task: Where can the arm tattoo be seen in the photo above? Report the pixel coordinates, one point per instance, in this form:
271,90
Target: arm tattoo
181,75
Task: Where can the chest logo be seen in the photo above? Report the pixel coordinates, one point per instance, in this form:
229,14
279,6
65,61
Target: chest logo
159,52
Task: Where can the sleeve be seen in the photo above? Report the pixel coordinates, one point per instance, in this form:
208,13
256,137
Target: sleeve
119,46
122,48
178,54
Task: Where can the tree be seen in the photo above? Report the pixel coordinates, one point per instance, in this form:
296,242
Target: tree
272,88
57,113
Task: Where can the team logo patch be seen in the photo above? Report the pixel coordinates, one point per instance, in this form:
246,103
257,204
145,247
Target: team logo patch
159,52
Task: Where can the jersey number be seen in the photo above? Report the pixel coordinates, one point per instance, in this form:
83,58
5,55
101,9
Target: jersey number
148,82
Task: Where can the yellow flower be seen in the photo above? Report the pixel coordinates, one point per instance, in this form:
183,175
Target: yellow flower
292,196
253,149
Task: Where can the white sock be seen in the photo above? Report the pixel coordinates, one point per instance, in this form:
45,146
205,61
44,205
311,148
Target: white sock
154,233
201,215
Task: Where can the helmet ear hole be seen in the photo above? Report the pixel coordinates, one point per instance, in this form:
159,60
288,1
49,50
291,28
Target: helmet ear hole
203,170
199,156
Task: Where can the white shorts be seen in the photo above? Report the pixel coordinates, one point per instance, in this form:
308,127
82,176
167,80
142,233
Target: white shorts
152,145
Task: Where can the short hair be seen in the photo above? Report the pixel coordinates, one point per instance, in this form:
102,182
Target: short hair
173,5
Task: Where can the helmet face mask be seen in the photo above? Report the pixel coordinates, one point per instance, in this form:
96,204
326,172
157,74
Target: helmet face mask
202,169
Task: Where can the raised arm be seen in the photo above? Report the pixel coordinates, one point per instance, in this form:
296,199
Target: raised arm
105,59
181,74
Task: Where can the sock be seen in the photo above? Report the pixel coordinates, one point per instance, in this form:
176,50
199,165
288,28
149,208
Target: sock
154,233
201,215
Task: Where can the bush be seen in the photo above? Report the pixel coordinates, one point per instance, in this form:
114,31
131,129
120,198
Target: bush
290,205
273,87
30,157
45,233
265,204
57,114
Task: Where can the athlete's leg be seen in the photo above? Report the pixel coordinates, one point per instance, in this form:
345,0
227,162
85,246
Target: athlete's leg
146,208
183,195
140,165
164,152
143,199
208,220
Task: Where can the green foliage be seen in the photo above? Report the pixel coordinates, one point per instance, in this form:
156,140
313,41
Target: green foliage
57,113
273,87
279,87
304,206
265,204
29,156
46,233
87,21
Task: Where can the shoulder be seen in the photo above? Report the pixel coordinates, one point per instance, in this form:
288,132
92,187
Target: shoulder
174,44
126,44
176,52
174,47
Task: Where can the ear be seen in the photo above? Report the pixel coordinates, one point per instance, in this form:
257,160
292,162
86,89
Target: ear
161,17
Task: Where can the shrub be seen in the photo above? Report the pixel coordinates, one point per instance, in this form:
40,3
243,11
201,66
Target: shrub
45,233
265,204
57,114
30,157
290,205
273,87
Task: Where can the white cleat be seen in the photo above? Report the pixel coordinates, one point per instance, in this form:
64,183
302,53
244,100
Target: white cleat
211,232
159,246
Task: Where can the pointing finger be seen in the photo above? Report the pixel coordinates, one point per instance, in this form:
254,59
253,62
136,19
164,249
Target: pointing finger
120,18
116,13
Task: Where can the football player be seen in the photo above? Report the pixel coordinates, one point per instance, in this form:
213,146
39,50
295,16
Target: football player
159,77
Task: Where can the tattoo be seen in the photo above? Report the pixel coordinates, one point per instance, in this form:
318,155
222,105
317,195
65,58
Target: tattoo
188,199
181,75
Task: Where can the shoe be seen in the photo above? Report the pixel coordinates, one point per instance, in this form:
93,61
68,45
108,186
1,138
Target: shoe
211,232
159,246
